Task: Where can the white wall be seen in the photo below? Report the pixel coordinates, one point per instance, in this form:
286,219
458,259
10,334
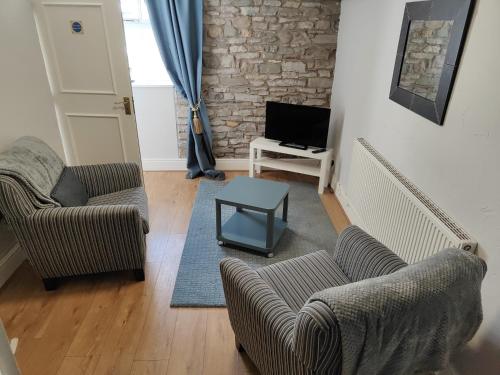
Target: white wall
156,123
457,165
25,99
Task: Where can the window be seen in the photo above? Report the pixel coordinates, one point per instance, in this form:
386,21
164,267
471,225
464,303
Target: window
145,62
134,10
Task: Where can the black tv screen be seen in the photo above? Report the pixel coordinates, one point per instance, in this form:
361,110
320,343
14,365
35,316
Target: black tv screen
299,124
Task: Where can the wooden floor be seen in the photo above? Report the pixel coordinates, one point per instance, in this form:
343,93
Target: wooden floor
110,324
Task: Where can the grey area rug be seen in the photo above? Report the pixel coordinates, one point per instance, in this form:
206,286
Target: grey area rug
198,281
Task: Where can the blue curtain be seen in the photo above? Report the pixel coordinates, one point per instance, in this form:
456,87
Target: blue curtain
178,28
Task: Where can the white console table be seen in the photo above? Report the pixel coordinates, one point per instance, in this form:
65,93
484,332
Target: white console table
318,165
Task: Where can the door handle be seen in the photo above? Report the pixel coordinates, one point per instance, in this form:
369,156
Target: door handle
126,105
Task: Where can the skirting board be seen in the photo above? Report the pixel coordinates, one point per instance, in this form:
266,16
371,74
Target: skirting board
152,165
349,210
180,164
10,262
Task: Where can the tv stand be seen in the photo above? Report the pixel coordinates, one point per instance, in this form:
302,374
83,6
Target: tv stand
293,145
307,163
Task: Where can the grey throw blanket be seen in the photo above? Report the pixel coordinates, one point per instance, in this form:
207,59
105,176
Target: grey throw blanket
411,320
35,166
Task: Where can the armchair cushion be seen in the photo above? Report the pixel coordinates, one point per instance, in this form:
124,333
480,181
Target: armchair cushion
130,197
296,280
69,190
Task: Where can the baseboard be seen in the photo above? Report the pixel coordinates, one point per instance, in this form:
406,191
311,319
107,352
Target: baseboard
232,164
180,164
164,164
10,262
349,210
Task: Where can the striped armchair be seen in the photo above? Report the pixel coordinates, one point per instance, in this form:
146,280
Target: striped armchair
289,316
108,234
266,305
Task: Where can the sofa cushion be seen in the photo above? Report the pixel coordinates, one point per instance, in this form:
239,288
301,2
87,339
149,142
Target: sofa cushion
297,279
69,190
135,196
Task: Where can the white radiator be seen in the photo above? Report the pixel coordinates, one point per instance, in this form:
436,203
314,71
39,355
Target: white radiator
389,207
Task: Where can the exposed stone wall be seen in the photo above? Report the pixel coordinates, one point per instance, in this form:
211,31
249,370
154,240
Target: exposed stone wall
259,50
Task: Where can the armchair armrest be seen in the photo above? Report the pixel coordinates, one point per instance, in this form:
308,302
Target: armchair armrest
84,240
103,179
317,340
361,256
262,322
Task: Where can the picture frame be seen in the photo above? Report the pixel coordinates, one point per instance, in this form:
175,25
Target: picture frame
453,15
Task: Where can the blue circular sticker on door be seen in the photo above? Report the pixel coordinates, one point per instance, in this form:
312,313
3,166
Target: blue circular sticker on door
76,26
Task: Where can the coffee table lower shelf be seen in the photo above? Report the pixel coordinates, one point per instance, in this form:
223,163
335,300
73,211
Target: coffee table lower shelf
249,229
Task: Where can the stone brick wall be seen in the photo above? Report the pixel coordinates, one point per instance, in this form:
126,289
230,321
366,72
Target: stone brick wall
259,50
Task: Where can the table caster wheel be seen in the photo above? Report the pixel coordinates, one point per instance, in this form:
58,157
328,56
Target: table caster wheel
270,255
220,243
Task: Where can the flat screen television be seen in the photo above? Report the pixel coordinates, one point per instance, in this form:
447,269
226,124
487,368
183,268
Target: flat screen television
297,124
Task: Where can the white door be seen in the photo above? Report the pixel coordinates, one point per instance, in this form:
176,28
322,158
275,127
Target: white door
83,43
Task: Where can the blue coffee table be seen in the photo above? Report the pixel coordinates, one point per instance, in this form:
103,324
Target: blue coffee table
254,224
